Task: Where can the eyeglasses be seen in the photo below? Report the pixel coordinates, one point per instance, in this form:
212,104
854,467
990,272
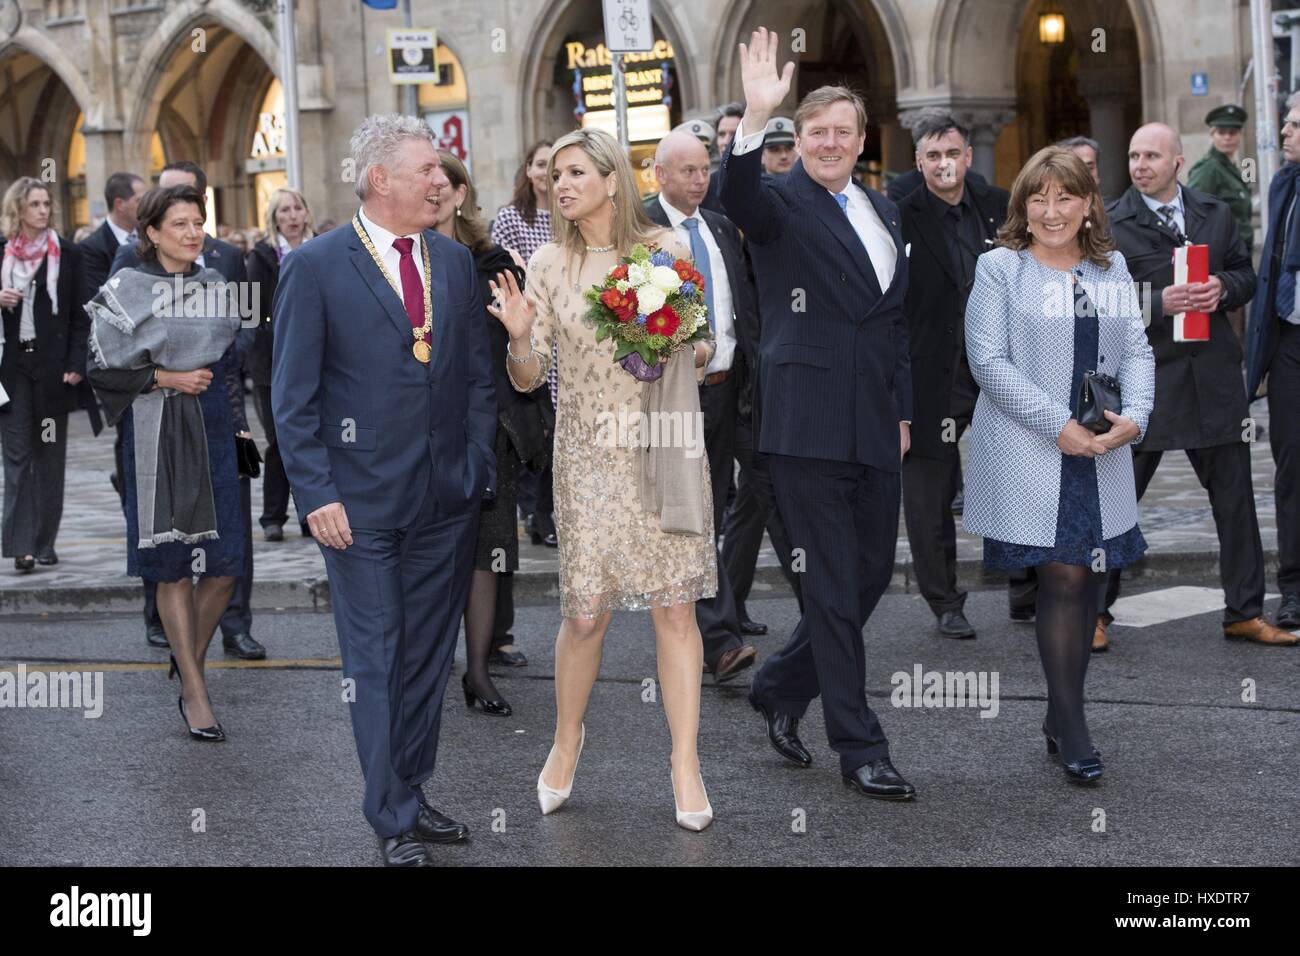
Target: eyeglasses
1291,124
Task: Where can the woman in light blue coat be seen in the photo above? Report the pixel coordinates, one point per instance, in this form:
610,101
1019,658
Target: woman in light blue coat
1055,300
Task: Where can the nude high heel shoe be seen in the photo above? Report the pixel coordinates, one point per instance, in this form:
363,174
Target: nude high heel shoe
697,819
549,799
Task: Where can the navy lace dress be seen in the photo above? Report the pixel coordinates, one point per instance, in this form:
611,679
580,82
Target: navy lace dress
223,556
1078,513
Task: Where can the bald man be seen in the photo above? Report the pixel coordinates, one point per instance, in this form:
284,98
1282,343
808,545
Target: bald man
1200,403
682,168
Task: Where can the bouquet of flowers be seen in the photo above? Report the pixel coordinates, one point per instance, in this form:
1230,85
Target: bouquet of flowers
652,303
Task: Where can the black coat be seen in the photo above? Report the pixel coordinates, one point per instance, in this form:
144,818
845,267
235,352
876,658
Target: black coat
527,418
62,340
934,309
97,254
264,272
741,283
1200,398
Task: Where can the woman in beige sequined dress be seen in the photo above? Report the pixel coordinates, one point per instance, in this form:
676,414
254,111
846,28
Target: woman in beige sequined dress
613,556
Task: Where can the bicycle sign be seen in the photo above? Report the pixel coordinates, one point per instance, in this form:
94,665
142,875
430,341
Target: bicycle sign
627,26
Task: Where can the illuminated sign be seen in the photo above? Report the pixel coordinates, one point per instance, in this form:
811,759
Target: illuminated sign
649,82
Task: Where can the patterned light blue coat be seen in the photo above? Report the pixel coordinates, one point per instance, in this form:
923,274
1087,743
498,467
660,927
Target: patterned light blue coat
1020,344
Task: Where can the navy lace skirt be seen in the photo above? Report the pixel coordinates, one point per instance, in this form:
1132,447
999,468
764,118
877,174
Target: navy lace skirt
1078,528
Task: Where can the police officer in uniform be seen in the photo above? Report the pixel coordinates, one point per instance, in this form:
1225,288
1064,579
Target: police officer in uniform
1218,174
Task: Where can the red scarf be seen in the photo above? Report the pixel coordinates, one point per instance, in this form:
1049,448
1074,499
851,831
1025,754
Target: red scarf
23,260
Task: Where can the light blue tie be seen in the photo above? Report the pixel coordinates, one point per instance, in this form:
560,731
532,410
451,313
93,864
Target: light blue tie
843,200
700,253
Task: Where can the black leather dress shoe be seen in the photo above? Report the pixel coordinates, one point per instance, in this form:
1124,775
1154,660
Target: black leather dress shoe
783,732
155,636
501,657
1288,615
243,646
24,564
49,560
434,827
954,624
405,849
1022,613
752,628
734,661
880,779
273,532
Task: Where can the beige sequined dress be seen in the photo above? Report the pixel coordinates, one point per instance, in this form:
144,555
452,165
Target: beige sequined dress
612,554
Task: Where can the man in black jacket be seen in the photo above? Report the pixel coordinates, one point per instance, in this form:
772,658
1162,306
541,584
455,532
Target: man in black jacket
1200,402
122,195
947,223
682,168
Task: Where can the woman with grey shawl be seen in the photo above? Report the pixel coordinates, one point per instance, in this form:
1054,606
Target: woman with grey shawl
162,340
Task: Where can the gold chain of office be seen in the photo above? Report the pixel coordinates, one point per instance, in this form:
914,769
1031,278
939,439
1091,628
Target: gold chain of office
421,349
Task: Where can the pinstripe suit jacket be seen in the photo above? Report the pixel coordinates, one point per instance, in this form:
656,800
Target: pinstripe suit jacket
1020,343
834,376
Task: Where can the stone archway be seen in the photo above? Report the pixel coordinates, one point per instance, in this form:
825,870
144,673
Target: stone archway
39,114
860,43
543,109
198,85
989,93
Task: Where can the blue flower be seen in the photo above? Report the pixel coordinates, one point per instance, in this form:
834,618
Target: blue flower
661,258
640,319
688,288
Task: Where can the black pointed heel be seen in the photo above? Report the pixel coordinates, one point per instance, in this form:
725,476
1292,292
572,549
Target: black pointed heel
498,708
214,733
174,671
1082,771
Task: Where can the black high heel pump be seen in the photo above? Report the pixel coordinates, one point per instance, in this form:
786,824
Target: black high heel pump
498,708
1087,770
214,733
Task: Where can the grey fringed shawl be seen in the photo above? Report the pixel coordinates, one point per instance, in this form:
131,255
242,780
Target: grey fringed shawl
142,319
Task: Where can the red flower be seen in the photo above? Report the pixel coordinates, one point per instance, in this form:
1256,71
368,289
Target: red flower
683,270
663,322
697,279
619,271
622,304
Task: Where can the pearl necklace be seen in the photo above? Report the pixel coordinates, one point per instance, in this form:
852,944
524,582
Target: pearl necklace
599,248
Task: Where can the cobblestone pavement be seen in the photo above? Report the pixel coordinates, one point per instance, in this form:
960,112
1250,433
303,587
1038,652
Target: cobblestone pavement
1175,517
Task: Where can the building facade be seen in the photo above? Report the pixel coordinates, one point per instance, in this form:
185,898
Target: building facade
88,87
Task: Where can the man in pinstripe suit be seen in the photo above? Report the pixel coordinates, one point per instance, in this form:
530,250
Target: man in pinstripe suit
833,402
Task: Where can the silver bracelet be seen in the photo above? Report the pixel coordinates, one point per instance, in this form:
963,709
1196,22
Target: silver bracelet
520,361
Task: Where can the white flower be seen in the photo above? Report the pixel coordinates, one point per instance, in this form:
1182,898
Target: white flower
665,278
649,298
622,285
638,274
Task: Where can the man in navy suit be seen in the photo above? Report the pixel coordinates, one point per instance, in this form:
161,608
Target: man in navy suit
237,622
385,409
833,405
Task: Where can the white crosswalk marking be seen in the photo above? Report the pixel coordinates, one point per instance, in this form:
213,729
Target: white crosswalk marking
1167,604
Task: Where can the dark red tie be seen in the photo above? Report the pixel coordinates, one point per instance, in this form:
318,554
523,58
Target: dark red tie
412,290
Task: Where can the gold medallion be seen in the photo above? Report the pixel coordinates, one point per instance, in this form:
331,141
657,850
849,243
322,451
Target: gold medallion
422,351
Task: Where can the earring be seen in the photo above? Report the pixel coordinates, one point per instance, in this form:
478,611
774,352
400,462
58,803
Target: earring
1087,224
457,212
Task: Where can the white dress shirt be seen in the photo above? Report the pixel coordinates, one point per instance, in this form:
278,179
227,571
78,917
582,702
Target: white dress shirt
121,235
724,313
382,240
866,222
1177,202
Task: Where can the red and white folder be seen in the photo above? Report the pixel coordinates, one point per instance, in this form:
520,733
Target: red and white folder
1191,264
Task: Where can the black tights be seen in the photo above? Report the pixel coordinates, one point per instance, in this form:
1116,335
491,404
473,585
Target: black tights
1067,616
480,616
